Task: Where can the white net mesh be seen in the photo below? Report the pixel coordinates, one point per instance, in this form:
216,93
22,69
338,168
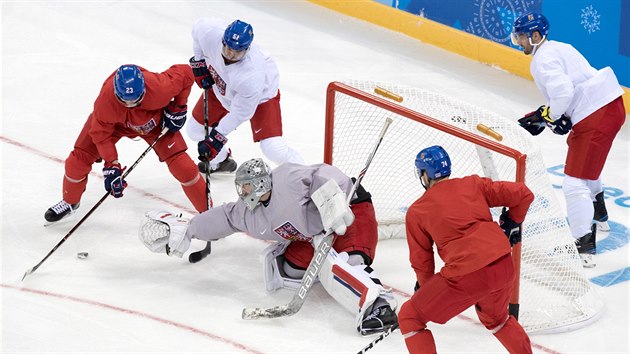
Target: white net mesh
555,294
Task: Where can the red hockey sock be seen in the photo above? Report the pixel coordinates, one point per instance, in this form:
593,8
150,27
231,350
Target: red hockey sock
514,338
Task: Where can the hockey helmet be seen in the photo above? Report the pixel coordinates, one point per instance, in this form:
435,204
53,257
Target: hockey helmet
252,180
129,85
238,36
434,161
528,24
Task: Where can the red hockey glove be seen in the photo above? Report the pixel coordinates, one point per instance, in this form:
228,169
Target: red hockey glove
201,72
114,183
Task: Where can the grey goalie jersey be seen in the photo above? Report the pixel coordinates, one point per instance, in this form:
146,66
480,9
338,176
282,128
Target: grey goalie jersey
290,214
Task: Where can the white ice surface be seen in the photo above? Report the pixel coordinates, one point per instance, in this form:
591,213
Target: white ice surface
124,299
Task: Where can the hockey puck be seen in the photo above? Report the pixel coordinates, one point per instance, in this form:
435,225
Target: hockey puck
82,255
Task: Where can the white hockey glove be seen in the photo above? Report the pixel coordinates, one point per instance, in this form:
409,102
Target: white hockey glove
162,231
333,208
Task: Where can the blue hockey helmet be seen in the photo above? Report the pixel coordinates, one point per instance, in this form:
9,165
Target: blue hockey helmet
238,35
129,85
530,23
434,161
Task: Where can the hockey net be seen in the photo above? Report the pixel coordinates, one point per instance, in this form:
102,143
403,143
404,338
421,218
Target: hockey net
556,295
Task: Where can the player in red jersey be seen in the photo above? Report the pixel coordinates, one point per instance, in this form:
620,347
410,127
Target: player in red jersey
133,102
454,214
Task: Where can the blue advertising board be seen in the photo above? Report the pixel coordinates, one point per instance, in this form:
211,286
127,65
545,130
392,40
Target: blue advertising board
599,29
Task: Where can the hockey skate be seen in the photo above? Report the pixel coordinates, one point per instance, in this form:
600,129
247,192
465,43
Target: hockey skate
379,319
226,166
59,211
586,247
601,214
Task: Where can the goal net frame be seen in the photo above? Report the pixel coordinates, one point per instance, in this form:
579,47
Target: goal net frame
389,101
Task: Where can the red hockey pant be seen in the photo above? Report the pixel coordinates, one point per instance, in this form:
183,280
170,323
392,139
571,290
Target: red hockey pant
440,299
170,149
591,139
265,123
361,236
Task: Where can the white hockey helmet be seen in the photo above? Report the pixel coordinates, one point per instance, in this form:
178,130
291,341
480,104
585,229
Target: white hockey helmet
252,181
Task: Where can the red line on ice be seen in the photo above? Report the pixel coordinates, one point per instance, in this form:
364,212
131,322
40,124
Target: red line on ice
149,195
139,314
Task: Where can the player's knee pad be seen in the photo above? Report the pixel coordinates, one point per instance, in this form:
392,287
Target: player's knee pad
79,164
408,319
194,129
579,202
275,271
575,186
277,150
356,288
182,168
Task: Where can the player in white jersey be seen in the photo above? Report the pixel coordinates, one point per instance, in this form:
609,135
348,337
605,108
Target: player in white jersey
294,205
584,102
242,82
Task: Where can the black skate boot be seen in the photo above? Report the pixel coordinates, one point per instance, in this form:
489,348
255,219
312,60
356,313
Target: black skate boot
601,214
227,166
60,211
378,319
586,246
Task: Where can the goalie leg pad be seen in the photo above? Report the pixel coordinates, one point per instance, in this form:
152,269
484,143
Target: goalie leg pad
355,287
273,263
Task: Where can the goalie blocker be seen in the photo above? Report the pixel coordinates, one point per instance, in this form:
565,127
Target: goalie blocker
303,200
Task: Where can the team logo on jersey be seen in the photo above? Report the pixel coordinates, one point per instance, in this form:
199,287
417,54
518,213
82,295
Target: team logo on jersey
290,233
143,129
218,81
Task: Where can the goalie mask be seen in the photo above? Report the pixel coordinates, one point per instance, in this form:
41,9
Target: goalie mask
252,181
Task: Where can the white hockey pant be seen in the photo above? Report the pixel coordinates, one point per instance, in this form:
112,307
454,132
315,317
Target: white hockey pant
580,195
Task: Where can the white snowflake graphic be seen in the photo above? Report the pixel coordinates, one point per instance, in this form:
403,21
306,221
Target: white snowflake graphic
590,19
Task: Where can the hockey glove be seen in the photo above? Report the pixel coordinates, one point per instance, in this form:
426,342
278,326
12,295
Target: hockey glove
510,228
114,184
534,122
334,211
203,78
209,148
560,126
174,116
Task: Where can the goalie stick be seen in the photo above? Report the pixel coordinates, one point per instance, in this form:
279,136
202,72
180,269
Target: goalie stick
291,308
379,338
164,131
195,257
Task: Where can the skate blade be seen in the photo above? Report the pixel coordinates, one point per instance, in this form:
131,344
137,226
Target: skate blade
602,226
70,217
588,261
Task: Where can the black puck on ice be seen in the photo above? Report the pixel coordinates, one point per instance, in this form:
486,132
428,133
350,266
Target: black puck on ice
82,255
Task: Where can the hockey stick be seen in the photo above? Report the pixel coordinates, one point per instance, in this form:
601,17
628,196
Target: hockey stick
95,205
254,313
195,257
379,338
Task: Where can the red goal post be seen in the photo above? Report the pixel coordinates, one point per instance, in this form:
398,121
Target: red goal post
355,111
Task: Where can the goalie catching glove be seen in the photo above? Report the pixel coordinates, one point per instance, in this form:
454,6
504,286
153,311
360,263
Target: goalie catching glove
162,231
333,208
